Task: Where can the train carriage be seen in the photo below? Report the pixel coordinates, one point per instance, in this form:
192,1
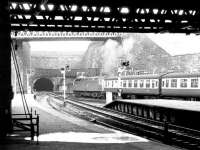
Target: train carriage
178,85
181,85
134,86
169,85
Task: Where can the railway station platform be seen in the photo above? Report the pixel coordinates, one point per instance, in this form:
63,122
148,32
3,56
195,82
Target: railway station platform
168,103
176,112
59,131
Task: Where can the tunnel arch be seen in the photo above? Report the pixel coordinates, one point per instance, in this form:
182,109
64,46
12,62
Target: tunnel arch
43,84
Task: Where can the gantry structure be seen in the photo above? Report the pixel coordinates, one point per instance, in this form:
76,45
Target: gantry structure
64,35
140,16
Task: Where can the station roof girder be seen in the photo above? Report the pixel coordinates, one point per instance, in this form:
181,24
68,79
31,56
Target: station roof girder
105,16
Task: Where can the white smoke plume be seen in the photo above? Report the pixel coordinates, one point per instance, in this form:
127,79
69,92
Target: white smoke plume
110,49
114,50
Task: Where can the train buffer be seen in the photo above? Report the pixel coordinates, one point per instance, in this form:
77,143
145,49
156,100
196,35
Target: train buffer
26,123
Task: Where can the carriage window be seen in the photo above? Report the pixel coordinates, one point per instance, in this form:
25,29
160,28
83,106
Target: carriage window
167,83
135,83
129,83
147,83
174,83
107,83
153,83
156,83
141,83
124,83
120,83
163,83
194,83
183,83
110,83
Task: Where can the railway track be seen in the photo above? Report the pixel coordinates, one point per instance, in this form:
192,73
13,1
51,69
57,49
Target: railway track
162,131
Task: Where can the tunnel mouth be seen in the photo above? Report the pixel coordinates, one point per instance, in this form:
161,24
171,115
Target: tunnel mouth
43,84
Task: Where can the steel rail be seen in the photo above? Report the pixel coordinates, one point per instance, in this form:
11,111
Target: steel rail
162,131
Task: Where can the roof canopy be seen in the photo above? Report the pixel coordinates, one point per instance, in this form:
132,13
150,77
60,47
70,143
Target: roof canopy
105,16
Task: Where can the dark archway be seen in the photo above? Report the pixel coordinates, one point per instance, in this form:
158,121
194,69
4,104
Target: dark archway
43,84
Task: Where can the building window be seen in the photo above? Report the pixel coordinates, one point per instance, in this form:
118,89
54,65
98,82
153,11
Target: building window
183,83
147,83
141,83
135,83
194,83
173,83
129,83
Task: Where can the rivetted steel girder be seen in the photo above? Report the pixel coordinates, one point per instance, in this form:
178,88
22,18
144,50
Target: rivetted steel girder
105,16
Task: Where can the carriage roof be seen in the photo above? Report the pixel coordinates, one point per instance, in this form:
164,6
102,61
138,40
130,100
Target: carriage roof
156,76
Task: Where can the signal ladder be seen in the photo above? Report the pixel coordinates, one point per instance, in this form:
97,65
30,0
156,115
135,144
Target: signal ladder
27,121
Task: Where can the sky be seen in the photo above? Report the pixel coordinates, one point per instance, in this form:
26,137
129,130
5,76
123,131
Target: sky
174,44
177,44
73,47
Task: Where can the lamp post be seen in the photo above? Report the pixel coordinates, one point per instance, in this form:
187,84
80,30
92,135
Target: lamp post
123,67
119,90
63,72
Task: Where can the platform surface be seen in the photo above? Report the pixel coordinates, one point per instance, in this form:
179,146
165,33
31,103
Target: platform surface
60,131
168,103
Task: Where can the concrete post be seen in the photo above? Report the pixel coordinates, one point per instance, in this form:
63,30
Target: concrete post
109,98
6,93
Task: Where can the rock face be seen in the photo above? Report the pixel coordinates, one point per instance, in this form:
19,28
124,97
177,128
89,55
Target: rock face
142,53
53,60
187,63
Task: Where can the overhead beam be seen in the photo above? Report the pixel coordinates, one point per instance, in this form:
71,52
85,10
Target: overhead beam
105,16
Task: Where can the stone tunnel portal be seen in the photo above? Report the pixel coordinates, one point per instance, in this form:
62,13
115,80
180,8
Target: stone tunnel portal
43,84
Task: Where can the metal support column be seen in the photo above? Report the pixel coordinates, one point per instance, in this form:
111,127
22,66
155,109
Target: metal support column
6,93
